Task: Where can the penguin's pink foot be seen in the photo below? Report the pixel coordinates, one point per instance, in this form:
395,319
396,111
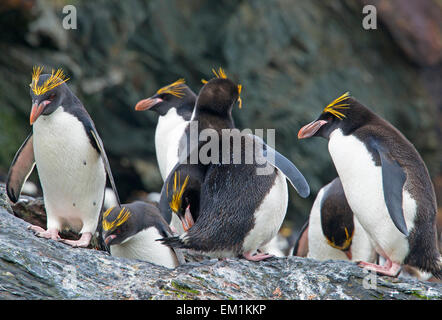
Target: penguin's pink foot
257,257
390,268
51,233
83,242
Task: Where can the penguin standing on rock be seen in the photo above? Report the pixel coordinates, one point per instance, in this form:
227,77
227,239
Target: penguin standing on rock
240,210
386,183
334,232
131,231
70,159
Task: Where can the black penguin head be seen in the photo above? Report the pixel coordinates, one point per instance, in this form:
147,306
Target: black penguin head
47,92
175,95
179,201
337,218
343,113
118,224
218,95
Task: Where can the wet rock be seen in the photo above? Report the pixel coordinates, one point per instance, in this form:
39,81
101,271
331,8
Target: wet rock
35,268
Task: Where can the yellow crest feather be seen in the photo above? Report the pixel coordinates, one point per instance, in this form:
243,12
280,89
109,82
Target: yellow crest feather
57,78
239,96
118,221
176,88
218,74
178,191
346,244
336,104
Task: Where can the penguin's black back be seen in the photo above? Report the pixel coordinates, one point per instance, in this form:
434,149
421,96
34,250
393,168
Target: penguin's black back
145,215
230,195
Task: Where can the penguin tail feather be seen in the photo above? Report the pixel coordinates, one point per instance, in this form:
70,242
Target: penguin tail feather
173,242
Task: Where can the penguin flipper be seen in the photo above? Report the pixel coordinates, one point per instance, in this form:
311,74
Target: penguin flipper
100,146
287,167
393,180
20,169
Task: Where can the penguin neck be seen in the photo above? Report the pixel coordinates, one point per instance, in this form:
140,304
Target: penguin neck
50,117
70,102
169,130
169,121
186,110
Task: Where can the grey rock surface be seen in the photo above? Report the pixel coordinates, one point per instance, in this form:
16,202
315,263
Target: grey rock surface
35,268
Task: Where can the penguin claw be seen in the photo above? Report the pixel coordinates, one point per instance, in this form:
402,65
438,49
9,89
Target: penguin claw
256,257
83,242
390,269
47,234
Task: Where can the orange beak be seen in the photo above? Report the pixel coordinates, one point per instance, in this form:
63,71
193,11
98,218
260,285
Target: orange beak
310,129
37,110
188,219
109,238
147,103
348,253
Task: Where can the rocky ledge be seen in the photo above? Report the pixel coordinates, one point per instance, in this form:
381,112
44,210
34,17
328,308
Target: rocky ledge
34,268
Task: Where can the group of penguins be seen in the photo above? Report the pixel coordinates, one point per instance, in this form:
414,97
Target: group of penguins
380,211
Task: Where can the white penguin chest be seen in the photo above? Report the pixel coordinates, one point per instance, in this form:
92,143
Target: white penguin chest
71,171
143,246
269,215
363,187
169,130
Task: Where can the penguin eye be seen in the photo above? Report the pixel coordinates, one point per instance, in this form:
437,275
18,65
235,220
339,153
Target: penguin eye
52,96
